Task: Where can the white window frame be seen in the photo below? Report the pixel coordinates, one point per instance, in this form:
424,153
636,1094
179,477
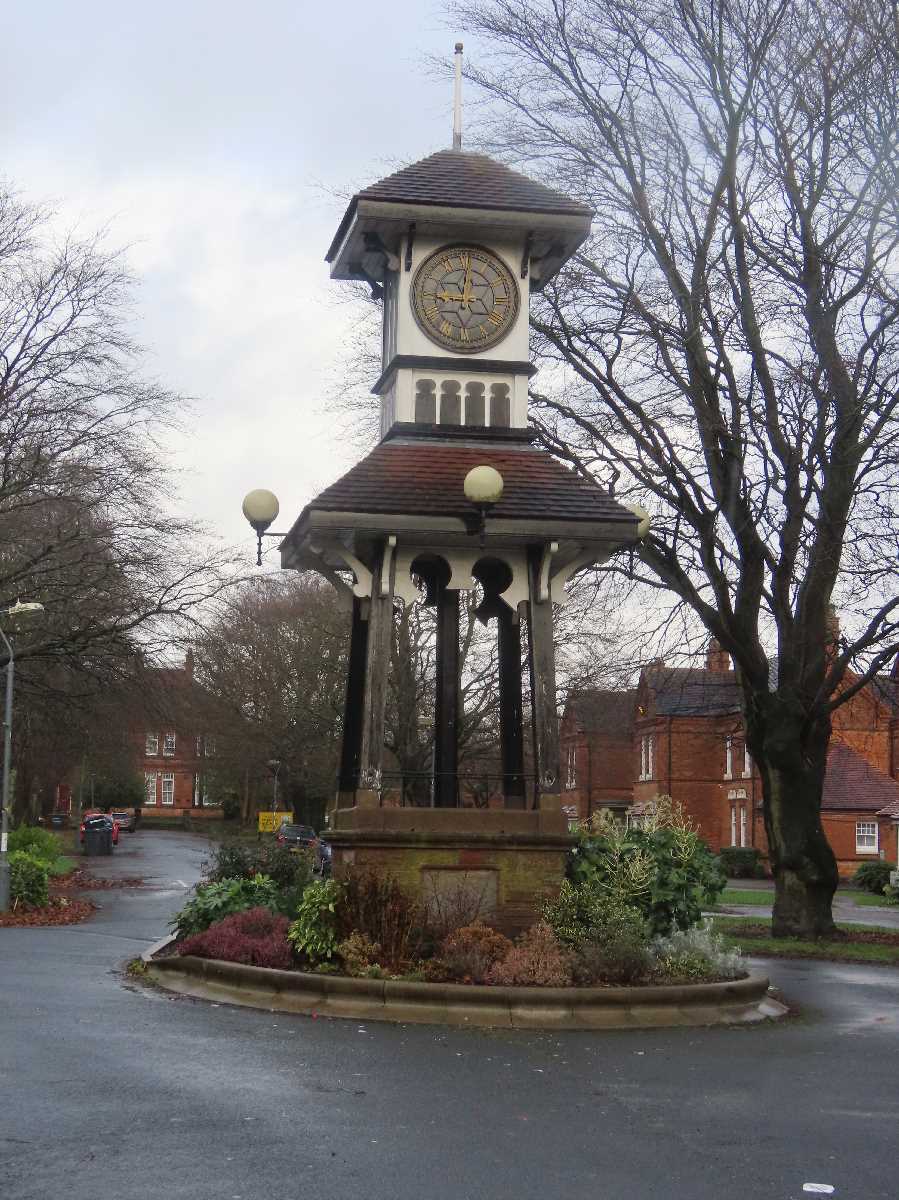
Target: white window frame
209,746
865,830
744,840
168,777
150,800
733,824
199,750
152,745
728,758
647,756
747,761
571,767
169,744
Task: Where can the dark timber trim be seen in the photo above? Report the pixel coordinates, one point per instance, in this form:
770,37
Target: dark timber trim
433,362
377,665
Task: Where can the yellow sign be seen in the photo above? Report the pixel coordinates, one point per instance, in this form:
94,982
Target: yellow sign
271,822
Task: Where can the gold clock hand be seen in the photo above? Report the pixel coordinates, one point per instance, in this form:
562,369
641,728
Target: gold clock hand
466,290
445,295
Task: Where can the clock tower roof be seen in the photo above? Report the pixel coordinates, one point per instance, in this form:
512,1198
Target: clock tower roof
458,189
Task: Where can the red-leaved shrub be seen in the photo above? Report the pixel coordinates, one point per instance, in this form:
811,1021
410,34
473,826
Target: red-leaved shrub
256,937
536,960
471,951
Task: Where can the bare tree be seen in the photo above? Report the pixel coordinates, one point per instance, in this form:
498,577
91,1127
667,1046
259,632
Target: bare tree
729,336
88,522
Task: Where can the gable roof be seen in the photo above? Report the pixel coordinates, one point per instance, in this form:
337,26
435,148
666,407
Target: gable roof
692,691
852,783
597,710
462,179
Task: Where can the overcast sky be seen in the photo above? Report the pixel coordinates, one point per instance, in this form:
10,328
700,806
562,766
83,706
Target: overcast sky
210,138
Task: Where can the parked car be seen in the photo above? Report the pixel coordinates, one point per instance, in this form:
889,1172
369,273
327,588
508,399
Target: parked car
125,819
296,837
96,820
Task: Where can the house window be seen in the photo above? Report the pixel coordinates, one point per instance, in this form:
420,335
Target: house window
739,822
168,745
747,762
199,745
743,839
210,746
149,787
866,837
728,758
647,757
168,789
152,743
571,767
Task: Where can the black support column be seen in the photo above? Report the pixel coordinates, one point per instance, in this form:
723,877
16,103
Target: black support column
446,733
511,707
543,687
377,666
353,706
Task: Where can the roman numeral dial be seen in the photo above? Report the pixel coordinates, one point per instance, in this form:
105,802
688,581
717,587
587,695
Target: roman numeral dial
464,298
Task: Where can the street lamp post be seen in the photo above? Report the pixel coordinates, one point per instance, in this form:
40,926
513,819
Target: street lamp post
17,609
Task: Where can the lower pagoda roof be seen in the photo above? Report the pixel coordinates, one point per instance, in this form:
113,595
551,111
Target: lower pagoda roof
413,482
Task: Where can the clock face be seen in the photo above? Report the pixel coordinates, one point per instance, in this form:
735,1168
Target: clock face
464,298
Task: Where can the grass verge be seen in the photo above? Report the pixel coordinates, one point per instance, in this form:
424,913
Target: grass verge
855,943
62,866
735,896
863,898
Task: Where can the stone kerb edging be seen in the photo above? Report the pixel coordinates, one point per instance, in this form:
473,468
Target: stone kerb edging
739,1001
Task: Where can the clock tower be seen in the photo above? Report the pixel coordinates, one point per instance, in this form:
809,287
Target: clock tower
456,495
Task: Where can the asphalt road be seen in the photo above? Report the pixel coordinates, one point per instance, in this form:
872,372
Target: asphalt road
113,1091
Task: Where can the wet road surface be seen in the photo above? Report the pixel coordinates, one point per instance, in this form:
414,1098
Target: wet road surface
113,1091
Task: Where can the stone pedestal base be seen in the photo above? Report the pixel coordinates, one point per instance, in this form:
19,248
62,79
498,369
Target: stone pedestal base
508,861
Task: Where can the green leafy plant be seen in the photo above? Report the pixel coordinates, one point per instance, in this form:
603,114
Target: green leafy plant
28,880
663,869
741,862
39,843
873,877
536,960
469,953
213,901
314,934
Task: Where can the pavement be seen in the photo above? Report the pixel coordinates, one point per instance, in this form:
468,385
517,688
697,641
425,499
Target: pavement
110,1090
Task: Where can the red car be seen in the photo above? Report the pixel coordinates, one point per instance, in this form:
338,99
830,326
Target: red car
98,817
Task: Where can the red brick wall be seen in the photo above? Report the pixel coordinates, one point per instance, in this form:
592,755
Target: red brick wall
184,764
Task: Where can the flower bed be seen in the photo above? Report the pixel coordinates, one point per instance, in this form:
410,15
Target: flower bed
59,911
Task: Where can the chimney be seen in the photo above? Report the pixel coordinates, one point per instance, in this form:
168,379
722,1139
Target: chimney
189,664
717,658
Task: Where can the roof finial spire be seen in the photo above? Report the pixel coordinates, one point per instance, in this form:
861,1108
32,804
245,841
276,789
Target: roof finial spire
457,101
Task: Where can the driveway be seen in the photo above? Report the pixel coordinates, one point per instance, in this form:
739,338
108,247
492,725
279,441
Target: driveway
113,1091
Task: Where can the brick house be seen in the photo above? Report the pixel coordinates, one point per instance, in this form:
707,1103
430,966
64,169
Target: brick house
173,747
687,740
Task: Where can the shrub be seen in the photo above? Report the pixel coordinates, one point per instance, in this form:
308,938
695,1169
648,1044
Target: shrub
28,877
257,937
536,960
289,871
891,893
448,908
741,862
213,901
470,952
662,869
378,907
609,938
359,953
694,955
39,843
314,934
873,877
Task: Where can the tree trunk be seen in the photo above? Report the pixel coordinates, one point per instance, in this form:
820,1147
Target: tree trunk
791,756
